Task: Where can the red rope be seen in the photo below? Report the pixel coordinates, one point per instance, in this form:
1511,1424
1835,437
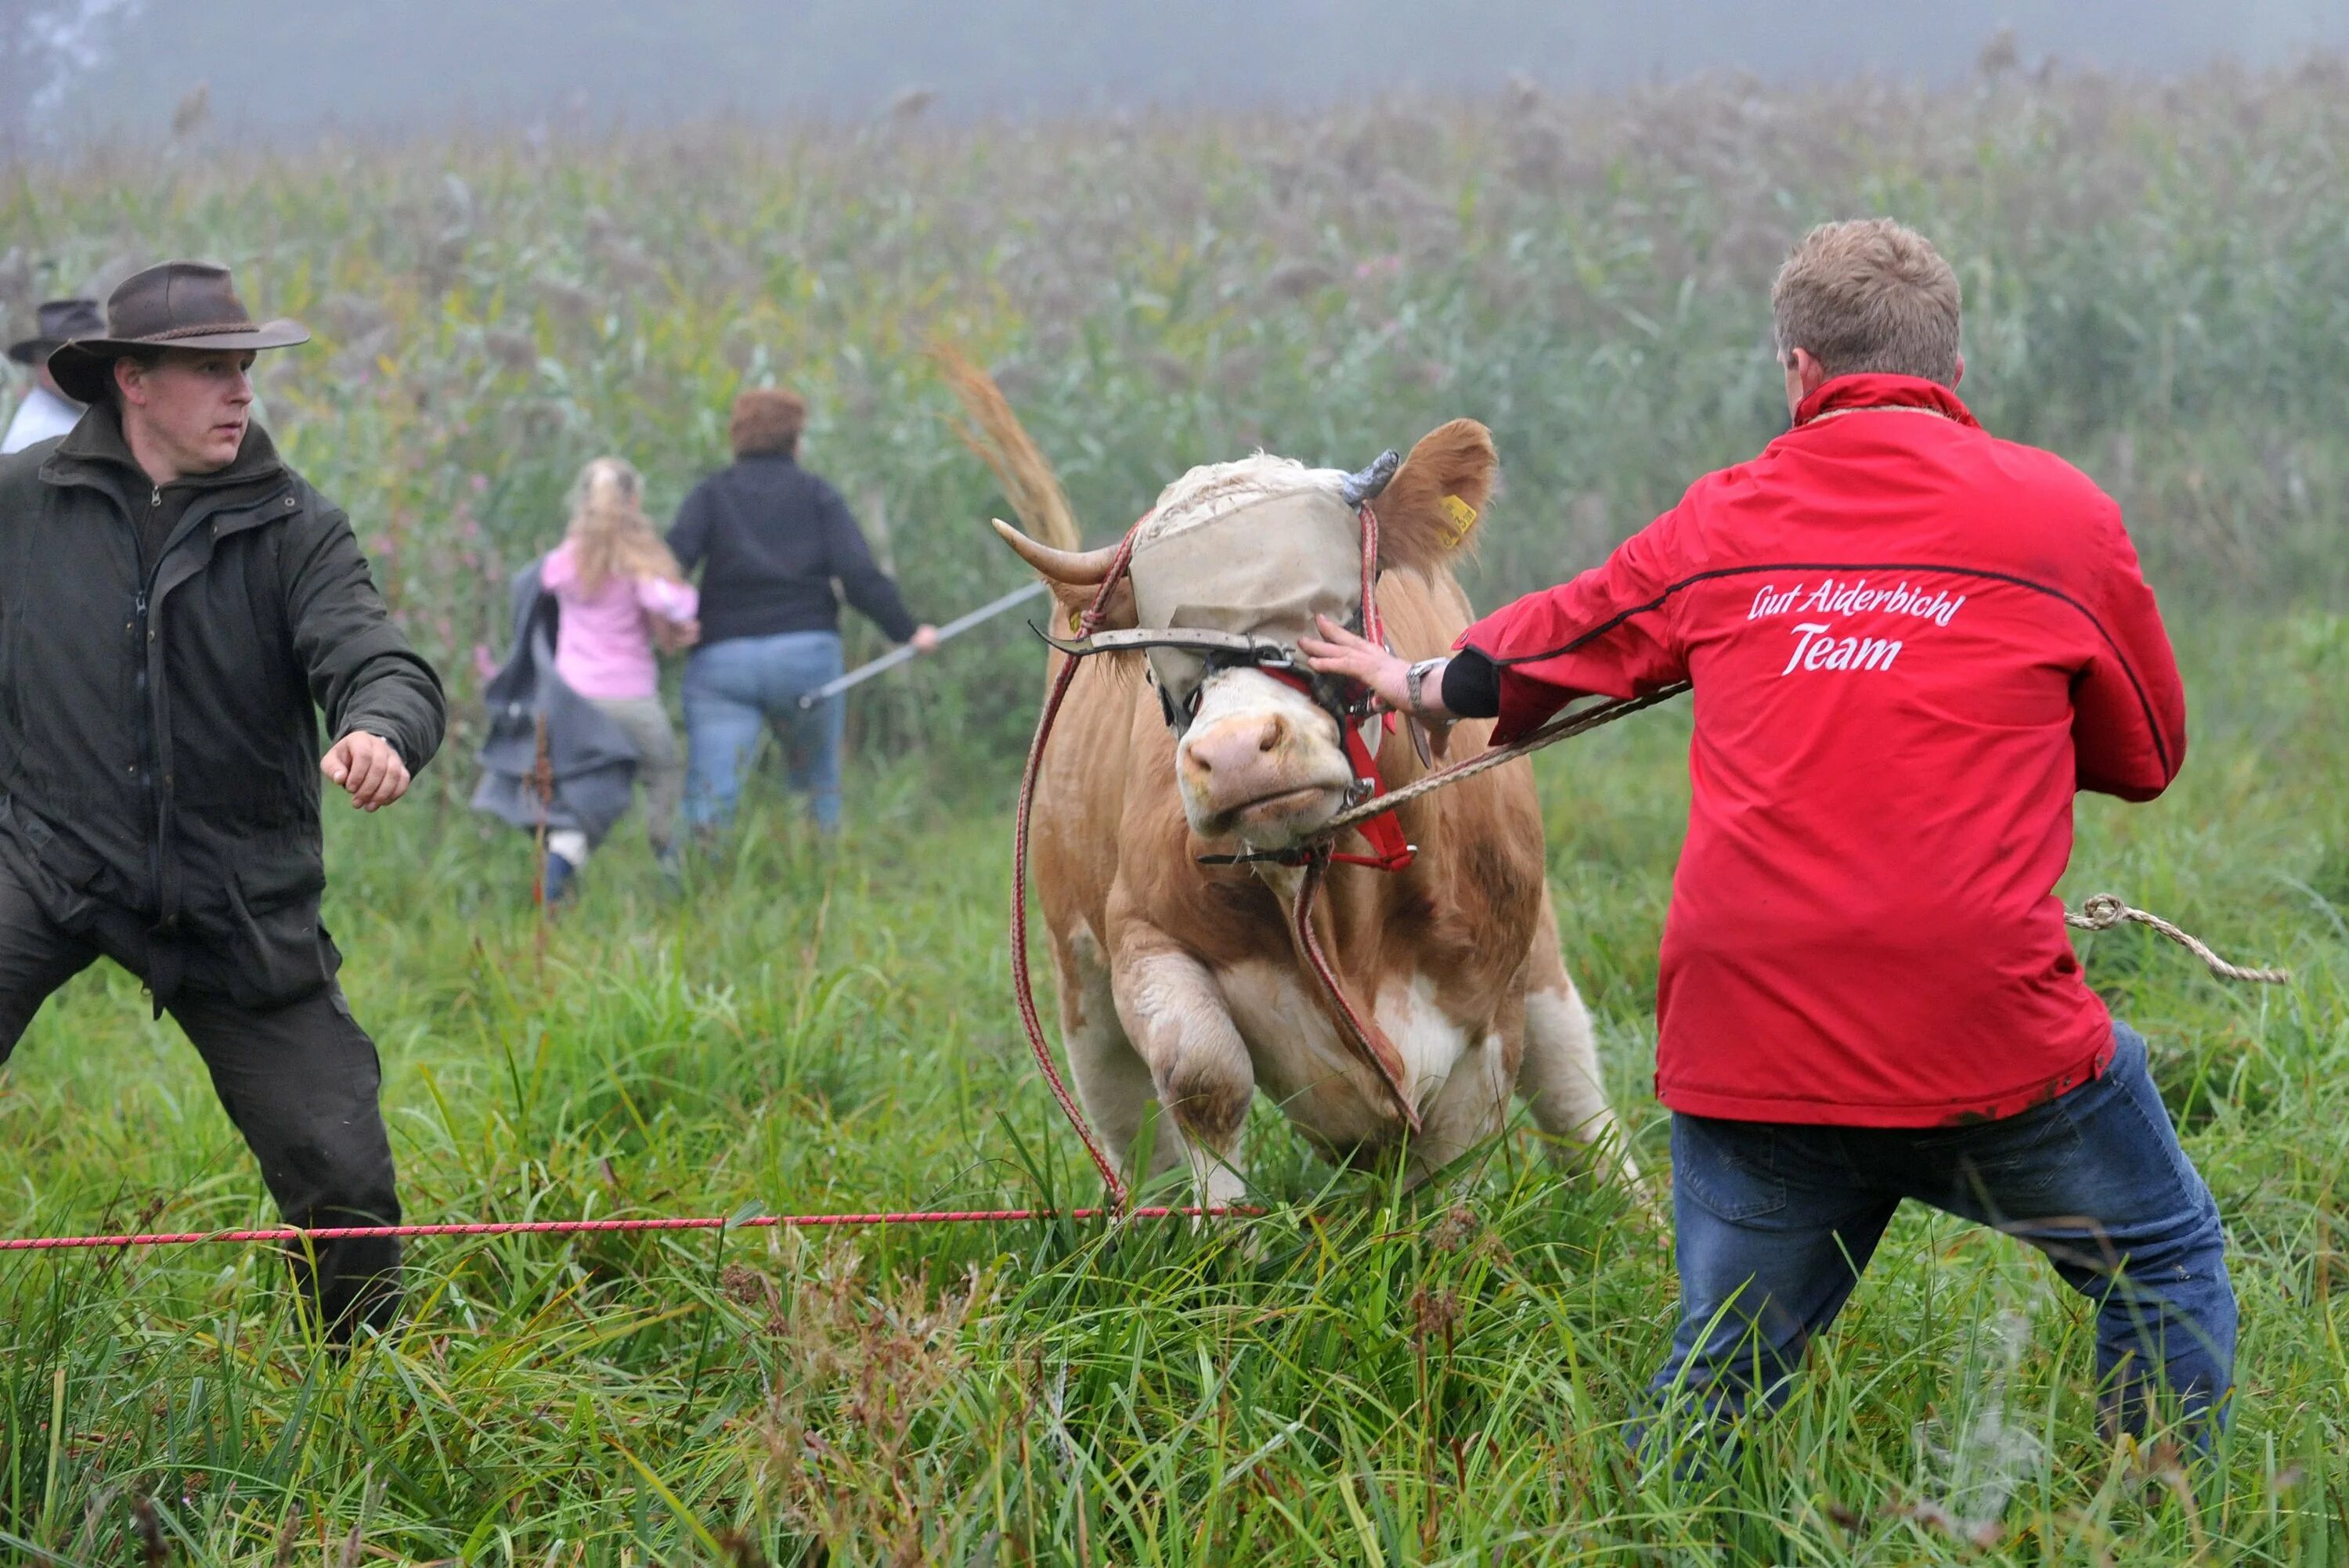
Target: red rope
1368,1042
583,1227
1023,986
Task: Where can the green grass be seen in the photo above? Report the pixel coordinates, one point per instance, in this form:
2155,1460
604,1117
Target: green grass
1362,1375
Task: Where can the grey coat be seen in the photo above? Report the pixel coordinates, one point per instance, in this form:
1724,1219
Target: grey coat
590,763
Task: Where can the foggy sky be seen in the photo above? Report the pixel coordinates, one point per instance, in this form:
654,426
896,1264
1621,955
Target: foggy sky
288,69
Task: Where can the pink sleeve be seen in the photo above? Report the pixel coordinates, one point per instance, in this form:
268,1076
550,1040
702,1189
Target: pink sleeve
559,570
670,600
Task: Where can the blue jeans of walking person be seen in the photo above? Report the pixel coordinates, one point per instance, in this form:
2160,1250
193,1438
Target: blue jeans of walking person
734,689
1776,1220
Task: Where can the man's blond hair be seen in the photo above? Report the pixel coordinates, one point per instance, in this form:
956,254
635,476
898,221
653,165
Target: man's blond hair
1869,295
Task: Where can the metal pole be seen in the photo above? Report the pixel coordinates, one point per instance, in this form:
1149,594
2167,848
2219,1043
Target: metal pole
898,656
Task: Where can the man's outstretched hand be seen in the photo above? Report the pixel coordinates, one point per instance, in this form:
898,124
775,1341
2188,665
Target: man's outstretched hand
366,765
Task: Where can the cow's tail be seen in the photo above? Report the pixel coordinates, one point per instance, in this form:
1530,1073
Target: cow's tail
993,431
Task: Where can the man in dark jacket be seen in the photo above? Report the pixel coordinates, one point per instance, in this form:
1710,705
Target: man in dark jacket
175,605
772,539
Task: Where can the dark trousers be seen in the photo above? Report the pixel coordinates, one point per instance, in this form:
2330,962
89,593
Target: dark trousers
1776,1220
299,1081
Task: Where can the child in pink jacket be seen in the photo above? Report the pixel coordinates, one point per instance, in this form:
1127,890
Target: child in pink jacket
621,596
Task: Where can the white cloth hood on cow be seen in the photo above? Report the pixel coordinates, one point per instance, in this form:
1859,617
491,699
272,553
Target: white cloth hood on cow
1257,547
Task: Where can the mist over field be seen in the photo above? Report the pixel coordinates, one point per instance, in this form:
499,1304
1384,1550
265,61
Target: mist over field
289,69
530,233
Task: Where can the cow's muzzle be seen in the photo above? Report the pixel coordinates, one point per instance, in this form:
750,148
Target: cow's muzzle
1261,763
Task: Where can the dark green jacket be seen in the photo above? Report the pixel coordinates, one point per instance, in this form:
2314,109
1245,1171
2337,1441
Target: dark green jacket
159,735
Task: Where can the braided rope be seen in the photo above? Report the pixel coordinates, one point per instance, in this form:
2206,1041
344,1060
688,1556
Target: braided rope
2102,911
1561,729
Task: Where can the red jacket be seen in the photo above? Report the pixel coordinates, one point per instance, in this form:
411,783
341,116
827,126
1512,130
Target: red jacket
1910,643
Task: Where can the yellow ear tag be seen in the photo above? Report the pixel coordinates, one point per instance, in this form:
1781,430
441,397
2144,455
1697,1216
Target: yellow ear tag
1076,620
1463,518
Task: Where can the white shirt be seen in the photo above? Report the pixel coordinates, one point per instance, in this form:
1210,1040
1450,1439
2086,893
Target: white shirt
42,414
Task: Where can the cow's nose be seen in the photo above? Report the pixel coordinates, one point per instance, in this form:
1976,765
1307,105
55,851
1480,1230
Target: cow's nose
1235,747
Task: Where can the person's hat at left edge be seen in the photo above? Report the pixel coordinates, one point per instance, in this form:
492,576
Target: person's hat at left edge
60,321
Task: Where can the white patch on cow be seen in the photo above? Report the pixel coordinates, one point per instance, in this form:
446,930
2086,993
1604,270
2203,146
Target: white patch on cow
1250,694
1299,1062
1286,881
1302,1063
1471,1105
1431,1043
1084,995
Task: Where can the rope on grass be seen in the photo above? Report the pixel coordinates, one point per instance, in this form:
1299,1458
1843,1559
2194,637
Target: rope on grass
292,1234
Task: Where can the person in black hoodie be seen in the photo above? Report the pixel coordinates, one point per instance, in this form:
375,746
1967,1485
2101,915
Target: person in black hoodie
770,539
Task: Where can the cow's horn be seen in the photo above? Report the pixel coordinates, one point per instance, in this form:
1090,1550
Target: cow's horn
1076,568
1367,484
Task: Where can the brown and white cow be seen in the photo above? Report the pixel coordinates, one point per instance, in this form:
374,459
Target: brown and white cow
1181,983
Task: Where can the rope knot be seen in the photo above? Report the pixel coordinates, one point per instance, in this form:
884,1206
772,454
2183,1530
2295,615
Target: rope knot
2101,911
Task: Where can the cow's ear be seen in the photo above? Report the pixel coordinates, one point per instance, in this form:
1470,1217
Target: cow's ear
1068,602
1429,510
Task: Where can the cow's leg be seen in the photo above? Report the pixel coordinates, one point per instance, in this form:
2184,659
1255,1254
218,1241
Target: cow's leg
1559,1077
1199,1067
1112,1083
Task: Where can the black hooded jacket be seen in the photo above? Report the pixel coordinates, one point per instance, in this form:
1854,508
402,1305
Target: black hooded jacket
159,734
772,539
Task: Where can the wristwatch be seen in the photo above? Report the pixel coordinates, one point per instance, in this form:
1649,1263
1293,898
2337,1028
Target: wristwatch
1411,680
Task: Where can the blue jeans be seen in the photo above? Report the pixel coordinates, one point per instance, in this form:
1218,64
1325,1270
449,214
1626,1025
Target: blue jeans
1776,1221
732,690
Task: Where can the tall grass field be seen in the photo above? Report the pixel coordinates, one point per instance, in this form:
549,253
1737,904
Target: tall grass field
2156,286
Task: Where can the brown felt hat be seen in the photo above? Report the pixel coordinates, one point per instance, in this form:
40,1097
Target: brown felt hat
59,320
179,304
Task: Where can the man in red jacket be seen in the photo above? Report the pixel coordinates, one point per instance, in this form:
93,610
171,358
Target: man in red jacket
1910,643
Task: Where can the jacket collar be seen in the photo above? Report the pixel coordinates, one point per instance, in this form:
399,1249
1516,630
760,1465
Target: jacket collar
95,446
1848,394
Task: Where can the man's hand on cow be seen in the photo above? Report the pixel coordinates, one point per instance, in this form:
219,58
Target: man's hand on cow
1339,652
366,765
